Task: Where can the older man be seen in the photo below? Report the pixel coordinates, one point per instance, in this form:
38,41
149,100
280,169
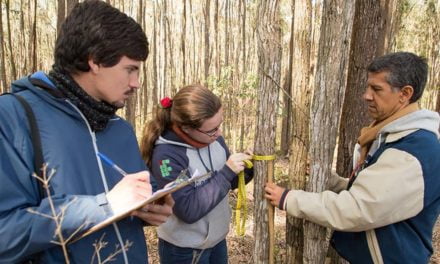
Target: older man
386,211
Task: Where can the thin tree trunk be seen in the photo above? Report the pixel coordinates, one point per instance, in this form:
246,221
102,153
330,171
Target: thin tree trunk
155,97
269,68
25,37
227,26
390,25
34,39
432,52
217,44
300,120
144,84
243,71
61,14
64,8
11,51
206,11
4,83
437,108
330,84
169,49
287,94
193,63
182,42
365,45
164,44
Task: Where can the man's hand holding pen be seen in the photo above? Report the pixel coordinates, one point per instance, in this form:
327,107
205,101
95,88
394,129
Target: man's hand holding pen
130,190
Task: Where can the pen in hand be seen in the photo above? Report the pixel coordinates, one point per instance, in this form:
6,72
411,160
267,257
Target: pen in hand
110,163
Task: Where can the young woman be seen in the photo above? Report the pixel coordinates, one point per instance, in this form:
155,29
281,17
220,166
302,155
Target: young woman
185,134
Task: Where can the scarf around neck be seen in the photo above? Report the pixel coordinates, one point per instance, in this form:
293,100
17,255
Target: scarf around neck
369,134
180,133
97,113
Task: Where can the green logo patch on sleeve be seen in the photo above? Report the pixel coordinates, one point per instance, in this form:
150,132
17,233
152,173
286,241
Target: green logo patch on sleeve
164,168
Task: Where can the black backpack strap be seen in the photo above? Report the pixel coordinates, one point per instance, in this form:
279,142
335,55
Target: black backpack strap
36,141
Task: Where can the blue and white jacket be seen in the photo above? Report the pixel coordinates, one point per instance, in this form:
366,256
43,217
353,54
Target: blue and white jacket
387,215
201,213
79,184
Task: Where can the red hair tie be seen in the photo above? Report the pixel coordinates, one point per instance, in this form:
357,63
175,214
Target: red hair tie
166,102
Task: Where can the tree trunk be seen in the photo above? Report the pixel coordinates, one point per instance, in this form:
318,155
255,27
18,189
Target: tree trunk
34,39
330,84
432,52
300,118
182,42
144,81
4,83
217,43
164,84
287,94
155,97
61,14
437,108
269,56
365,45
64,8
11,51
390,25
206,11
227,24
243,71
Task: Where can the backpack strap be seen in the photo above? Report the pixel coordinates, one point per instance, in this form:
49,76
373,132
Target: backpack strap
36,141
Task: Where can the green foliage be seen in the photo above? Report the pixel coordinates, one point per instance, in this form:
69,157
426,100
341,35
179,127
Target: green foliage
220,84
249,86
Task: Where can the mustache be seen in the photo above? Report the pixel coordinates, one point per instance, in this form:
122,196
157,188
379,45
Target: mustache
130,92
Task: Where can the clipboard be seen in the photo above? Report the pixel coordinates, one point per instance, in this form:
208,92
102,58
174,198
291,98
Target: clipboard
181,181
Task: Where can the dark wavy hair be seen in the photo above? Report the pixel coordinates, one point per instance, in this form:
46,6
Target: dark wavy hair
96,30
404,68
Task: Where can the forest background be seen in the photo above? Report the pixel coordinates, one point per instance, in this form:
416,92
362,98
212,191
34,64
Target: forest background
290,74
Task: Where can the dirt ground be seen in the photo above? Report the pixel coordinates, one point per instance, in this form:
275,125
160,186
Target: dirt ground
241,248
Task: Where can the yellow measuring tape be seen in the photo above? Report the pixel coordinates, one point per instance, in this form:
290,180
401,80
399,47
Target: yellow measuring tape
241,207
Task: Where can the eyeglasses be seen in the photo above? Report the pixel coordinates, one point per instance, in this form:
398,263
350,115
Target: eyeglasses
209,133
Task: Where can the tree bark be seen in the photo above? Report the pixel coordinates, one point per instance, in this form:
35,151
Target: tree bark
432,20
11,51
269,57
367,31
300,118
330,84
437,108
164,84
34,39
390,25
287,93
217,43
4,83
61,14
243,71
182,43
155,97
207,59
64,8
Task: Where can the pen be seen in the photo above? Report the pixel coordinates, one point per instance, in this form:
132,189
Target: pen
110,163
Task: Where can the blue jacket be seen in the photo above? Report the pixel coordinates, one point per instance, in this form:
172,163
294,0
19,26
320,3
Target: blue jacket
78,185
